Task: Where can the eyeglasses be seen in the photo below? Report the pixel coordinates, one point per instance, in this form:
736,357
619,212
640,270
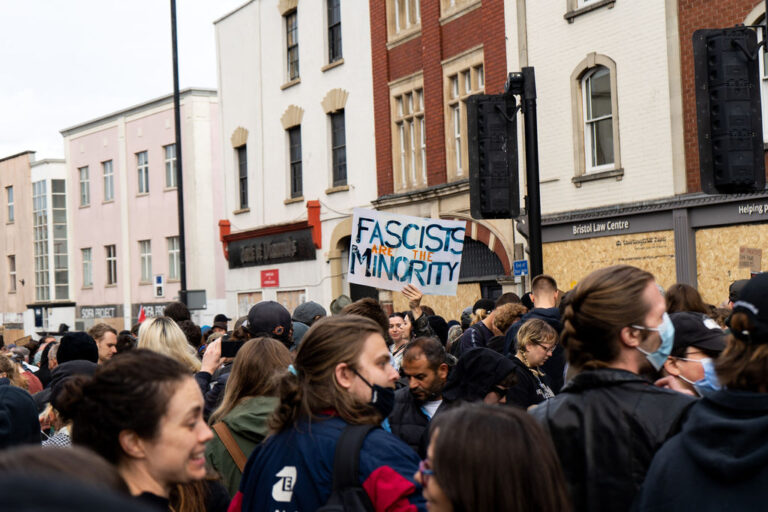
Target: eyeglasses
425,470
545,347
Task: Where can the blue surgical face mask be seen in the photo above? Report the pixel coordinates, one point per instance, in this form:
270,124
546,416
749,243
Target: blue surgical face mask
667,333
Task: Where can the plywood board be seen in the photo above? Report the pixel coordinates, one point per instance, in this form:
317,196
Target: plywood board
717,255
447,306
570,261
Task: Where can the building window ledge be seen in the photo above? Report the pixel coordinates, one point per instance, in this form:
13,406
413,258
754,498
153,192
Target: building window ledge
108,201
453,14
173,281
338,188
595,176
142,194
241,210
12,292
145,283
89,287
170,189
84,206
292,200
404,36
332,65
113,285
570,15
291,83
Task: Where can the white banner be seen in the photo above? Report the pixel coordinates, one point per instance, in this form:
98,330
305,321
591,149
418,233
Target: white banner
389,251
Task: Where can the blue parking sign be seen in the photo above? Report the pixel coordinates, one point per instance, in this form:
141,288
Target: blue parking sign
520,268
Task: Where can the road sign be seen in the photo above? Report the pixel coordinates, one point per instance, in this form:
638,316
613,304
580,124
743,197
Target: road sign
520,268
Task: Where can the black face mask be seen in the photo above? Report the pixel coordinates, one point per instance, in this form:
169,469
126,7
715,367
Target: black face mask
382,399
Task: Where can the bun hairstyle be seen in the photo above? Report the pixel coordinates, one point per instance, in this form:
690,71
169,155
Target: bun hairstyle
129,392
313,388
602,304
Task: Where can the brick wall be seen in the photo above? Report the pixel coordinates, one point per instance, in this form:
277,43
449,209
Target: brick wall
693,15
437,42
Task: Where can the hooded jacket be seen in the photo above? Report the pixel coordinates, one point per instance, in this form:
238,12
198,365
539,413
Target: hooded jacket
554,367
18,417
477,371
718,462
606,426
248,424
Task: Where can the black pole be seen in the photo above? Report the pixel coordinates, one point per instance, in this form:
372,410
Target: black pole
533,205
179,174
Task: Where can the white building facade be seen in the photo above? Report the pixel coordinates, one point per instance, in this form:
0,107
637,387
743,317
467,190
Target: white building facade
298,146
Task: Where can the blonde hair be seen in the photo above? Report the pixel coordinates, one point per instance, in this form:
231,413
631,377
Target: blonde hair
534,331
163,336
479,315
8,366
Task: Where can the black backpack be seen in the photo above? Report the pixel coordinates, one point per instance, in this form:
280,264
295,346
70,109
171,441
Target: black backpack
347,494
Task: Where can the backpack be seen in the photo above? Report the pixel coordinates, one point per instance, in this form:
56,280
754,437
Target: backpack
347,494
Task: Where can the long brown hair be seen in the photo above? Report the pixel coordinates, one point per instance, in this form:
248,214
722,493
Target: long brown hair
600,306
11,371
253,373
684,297
471,460
743,365
329,342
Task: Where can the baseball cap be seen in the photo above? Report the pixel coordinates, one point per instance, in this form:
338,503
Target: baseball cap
735,289
269,318
697,330
753,301
306,312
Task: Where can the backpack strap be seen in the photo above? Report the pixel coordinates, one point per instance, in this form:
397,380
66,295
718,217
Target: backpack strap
347,456
230,444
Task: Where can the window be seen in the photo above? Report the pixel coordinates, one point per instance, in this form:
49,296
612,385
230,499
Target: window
334,30
294,141
85,186
339,149
403,17
60,253
40,239
449,7
86,256
763,63
463,77
11,274
145,253
292,44
170,165
111,253
174,259
409,135
109,180
242,173
142,162
9,200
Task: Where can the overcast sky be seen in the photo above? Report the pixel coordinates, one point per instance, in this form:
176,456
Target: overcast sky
64,62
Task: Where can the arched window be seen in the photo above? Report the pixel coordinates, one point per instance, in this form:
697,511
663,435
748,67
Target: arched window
598,119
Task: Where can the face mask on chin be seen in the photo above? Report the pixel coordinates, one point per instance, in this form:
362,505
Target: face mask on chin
667,334
382,399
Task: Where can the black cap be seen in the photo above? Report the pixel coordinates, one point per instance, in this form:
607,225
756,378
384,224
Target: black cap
18,417
269,318
477,372
753,301
735,289
77,345
486,304
221,318
697,330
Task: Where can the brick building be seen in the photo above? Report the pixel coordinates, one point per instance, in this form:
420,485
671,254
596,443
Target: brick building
428,56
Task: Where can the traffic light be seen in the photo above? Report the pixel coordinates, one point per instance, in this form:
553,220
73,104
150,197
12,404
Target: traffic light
731,153
493,180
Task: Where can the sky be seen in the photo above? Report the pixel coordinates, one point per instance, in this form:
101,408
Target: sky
64,62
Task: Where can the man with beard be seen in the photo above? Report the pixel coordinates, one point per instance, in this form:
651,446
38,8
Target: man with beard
426,364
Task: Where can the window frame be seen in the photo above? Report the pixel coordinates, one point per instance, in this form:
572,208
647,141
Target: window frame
590,123
241,155
10,204
87,266
41,240
111,260
333,14
296,177
12,273
338,148
291,23
143,171
60,240
403,19
408,118
174,258
171,167
109,180
145,261
83,175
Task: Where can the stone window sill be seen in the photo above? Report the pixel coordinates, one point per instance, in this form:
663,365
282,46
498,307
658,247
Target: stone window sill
241,210
334,190
570,15
292,200
404,37
293,82
142,194
108,201
455,13
332,65
595,176
89,287
113,285
170,189
145,283
84,206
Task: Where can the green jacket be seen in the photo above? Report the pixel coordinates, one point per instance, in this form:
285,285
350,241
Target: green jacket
248,424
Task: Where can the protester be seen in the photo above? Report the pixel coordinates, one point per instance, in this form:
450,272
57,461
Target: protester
544,295
308,313
481,331
143,412
163,335
536,342
192,332
44,373
368,308
491,458
105,337
684,297
426,365
125,342
454,333
720,459
248,402
399,333
18,417
439,327
481,375
734,290
176,311
220,323
506,315
343,376
607,422
270,318
10,373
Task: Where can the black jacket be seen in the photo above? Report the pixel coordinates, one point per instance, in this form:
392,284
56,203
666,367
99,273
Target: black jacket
529,389
477,335
718,462
554,368
606,426
409,422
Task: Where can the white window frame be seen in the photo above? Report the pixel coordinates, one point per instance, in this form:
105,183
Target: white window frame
408,144
145,257
12,273
171,166
85,185
108,171
590,149
86,255
9,199
174,258
142,165
111,253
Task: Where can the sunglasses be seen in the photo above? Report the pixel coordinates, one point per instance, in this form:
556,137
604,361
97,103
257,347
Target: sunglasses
425,470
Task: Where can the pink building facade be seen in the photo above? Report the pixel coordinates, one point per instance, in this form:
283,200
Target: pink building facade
123,209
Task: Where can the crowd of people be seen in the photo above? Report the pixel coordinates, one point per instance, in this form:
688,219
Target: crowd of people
617,395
